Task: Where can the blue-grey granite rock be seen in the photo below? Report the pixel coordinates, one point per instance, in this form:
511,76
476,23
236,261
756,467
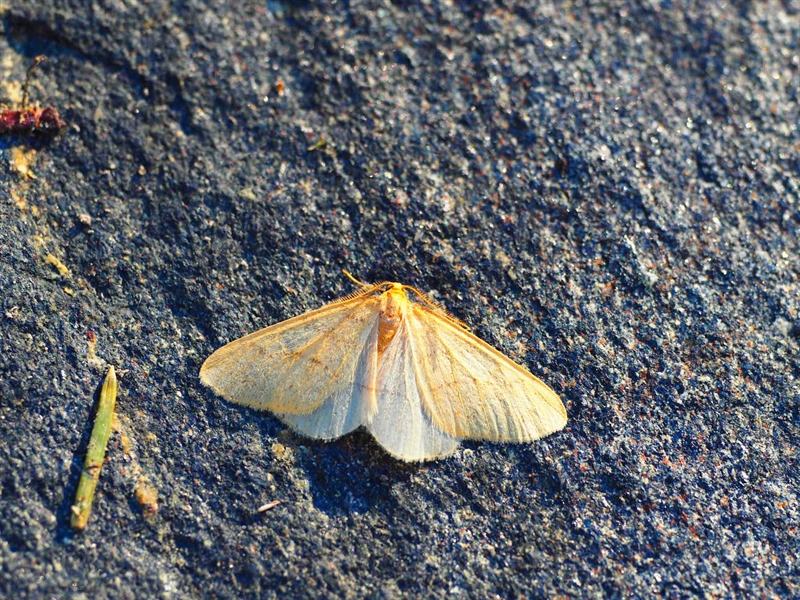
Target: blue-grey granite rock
608,192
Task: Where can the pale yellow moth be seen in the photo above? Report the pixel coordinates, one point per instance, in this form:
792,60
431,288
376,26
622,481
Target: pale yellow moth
407,371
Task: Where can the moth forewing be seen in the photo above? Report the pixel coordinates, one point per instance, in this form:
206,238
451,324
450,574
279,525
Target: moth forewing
341,414
297,365
471,390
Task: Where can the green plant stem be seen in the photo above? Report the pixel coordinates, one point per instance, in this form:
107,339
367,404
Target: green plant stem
95,452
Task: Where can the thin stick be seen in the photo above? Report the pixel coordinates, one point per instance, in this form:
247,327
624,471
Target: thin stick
95,452
28,77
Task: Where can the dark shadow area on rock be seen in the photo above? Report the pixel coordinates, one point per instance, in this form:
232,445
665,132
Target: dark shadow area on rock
353,475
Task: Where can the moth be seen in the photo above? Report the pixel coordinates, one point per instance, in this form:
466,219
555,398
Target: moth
404,369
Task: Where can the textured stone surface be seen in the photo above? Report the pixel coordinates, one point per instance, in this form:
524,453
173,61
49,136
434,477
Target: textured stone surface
607,192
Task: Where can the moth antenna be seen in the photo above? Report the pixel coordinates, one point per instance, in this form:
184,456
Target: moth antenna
28,77
356,281
368,289
438,308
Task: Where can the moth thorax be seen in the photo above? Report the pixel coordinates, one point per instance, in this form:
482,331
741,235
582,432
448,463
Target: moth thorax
393,306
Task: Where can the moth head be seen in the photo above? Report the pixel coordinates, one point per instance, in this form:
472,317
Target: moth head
393,303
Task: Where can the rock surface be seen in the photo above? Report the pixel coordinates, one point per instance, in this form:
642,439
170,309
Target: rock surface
607,192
